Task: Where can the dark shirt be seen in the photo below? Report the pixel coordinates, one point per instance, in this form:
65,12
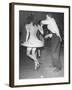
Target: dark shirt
46,30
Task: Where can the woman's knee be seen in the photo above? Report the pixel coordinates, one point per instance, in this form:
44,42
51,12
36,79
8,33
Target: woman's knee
33,50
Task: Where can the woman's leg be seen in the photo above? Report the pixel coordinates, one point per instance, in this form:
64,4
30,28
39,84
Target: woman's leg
28,52
33,56
38,52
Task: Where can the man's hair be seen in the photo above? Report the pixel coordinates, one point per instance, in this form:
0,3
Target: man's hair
49,14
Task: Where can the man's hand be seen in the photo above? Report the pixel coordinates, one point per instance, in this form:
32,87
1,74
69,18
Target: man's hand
50,35
60,39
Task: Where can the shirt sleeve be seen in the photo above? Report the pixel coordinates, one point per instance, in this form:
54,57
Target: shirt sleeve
45,21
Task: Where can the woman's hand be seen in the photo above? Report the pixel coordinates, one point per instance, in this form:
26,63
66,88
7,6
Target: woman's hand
49,35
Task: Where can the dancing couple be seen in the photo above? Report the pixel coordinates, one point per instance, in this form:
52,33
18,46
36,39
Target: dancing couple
33,43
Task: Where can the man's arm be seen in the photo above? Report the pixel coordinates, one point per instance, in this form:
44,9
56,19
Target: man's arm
44,22
48,36
58,34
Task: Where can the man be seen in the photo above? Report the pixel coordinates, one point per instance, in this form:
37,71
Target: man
55,41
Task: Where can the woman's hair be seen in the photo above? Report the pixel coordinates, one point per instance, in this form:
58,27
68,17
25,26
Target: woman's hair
29,19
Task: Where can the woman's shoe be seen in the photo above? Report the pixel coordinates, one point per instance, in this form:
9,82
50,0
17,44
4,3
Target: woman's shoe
37,65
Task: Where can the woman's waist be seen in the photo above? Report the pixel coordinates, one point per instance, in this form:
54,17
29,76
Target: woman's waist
31,37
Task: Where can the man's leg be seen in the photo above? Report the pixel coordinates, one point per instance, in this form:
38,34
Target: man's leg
55,54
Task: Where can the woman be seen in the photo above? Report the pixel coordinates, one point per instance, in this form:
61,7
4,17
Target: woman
32,42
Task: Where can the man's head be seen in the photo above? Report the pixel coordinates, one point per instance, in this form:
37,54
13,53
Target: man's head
48,16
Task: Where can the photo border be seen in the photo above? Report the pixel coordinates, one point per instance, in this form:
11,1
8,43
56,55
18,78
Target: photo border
11,43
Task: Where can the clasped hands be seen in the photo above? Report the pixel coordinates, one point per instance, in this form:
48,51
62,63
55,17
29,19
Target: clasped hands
48,35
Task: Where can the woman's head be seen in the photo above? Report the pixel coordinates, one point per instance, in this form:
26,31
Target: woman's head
30,19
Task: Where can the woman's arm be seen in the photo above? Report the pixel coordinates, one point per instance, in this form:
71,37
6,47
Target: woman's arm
40,29
48,35
27,30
